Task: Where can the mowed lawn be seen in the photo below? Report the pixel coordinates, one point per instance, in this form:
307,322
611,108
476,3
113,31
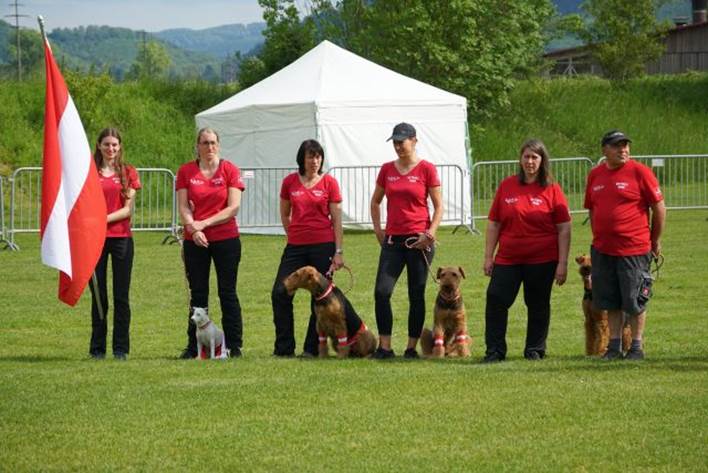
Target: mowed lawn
61,411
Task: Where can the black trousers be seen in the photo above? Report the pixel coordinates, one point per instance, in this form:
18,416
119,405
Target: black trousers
226,255
295,257
501,293
121,253
393,258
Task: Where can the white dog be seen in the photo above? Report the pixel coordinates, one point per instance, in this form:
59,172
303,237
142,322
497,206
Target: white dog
208,335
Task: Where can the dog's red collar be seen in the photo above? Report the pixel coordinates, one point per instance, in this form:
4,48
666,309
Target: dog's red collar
205,325
327,292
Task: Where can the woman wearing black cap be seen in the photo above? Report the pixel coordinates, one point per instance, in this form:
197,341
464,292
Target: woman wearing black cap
409,237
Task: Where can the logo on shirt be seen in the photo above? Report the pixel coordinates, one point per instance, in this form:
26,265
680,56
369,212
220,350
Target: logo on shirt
296,193
536,201
196,181
621,185
511,200
317,193
391,178
657,192
598,188
217,181
413,179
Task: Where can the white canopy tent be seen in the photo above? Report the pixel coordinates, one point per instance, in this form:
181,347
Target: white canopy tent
350,105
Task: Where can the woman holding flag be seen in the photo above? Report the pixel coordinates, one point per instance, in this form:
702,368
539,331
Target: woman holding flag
119,182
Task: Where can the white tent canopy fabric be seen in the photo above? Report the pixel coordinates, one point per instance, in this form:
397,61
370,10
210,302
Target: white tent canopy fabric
347,103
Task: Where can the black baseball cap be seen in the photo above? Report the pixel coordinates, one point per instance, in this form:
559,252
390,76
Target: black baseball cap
402,131
613,137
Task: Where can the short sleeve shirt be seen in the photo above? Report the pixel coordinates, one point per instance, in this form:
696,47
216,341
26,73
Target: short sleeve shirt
619,200
528,215
310,219
115,200
209,196
407,197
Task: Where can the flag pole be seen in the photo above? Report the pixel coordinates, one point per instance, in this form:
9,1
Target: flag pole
40,20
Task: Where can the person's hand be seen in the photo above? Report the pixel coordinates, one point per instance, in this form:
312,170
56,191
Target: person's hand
488,266
200,239
380,235
561,273
337,262
425,240
197,226
656,248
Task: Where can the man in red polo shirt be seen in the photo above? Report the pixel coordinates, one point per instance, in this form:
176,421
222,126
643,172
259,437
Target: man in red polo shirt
626,235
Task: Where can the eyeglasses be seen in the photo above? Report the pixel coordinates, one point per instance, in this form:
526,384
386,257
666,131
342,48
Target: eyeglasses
208,143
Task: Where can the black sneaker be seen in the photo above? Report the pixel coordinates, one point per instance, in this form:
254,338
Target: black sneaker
187,354
235,353
120,356
97,356
612,355
411,354
634,354
492,358
383,354
532,355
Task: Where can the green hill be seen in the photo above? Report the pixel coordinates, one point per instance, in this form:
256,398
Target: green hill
219,41
663,114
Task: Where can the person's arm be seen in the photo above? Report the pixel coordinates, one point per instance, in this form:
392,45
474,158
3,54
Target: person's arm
658,218
490,244
335,211
285,208
376,199
563,250
233,202
126,211
187,217
427,239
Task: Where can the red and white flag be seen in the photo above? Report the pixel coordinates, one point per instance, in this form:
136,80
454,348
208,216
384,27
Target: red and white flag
73,226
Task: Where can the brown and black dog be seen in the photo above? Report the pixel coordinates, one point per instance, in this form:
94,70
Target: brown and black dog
336,317
597,331
449,336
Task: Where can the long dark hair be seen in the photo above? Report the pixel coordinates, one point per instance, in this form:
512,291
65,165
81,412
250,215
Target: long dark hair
309,147
545,177
118,163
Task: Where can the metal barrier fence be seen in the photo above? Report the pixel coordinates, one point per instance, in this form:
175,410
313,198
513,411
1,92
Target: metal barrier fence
683,178
570,173
358,184
155,204
260,203
3,230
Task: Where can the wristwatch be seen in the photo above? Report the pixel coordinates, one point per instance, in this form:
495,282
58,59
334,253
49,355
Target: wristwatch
339,251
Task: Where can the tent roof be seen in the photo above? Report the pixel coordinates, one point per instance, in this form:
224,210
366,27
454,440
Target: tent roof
332,76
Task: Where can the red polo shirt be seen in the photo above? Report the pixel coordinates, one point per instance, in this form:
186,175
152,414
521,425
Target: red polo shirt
310,220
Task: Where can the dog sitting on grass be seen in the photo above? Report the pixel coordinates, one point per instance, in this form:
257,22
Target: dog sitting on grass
597,331
449,335
208,336
336,318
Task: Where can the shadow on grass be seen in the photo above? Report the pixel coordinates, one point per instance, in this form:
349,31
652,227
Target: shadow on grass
40,359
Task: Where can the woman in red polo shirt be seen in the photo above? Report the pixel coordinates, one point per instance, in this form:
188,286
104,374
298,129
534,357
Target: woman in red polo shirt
208,197
311,213
409,237
119,182
529,226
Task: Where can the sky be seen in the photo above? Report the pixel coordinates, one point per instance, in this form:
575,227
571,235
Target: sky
149,15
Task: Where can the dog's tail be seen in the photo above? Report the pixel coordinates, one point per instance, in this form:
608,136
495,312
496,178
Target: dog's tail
426,342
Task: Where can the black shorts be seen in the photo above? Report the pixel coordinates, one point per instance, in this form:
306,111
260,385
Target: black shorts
621,282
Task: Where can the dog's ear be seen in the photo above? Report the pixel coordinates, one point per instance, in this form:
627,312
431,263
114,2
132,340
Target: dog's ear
462,272
579,259
440,270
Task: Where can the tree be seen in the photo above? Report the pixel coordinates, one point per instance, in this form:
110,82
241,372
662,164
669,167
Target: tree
286,39
623,35
152,61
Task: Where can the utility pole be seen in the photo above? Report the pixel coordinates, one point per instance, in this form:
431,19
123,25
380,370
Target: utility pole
17,17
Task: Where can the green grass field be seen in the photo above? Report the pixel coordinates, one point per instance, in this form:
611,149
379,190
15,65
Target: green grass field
61,411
